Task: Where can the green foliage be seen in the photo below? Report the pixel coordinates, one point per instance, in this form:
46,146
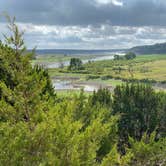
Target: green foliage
37,127
127,56
148,152
16,40
75,64
130,55
161,130
56,138
138,106
102,97
118,57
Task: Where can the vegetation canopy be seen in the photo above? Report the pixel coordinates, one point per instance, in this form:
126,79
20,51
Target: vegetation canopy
75,64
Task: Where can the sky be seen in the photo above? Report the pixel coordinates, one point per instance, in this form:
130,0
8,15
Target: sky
87,24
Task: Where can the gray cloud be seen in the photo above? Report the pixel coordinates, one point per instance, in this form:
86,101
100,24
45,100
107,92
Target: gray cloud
92,24
88,12
102,37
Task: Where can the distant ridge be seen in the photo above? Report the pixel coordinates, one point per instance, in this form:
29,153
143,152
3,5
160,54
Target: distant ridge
159,48
77,51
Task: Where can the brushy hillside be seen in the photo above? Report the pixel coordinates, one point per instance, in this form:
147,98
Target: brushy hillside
37,127
159,48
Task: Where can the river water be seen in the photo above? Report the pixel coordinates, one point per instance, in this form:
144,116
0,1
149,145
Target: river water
51,65
69,85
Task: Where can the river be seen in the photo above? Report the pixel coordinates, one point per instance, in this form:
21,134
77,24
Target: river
51,65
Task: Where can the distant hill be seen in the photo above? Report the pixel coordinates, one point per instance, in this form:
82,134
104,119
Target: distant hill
78,51
159,48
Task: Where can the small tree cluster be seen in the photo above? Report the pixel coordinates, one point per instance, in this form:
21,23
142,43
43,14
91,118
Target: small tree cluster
130,55
75,64
127,56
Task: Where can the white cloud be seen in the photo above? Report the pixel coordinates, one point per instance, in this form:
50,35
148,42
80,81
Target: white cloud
89,37
114,2
117,3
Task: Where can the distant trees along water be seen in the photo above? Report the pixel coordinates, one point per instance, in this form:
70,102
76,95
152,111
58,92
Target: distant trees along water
75,64
127,56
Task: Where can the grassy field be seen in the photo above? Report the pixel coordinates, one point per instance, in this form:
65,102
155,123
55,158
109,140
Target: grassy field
142,67
72,93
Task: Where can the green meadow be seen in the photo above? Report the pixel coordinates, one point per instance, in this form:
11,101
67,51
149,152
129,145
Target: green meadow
143,67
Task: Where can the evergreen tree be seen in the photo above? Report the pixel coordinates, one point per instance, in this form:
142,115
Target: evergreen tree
138,105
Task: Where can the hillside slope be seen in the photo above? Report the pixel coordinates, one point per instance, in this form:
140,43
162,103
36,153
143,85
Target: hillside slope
150,49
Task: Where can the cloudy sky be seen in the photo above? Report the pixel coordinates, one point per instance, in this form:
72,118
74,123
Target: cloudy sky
88,24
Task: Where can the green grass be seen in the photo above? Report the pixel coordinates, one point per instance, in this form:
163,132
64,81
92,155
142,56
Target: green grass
64,73
145,66
71,93
111,82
